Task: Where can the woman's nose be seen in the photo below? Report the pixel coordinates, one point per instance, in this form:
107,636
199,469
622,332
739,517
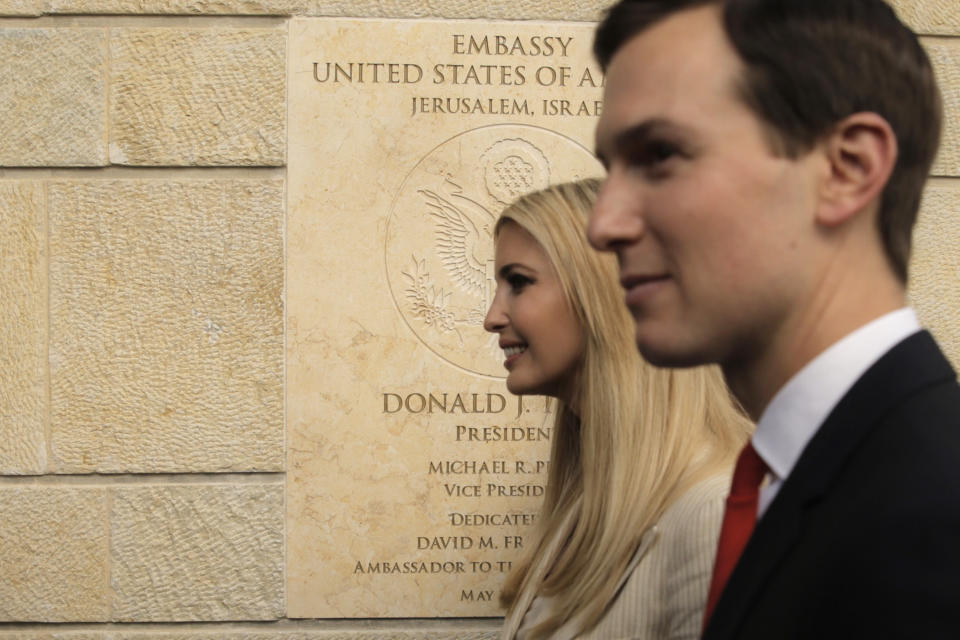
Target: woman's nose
496,318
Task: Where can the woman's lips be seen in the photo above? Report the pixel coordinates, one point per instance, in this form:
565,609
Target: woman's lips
512,353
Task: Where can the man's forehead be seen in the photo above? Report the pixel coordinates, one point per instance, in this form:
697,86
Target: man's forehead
662,72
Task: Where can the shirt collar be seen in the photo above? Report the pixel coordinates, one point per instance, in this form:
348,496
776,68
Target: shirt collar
804,402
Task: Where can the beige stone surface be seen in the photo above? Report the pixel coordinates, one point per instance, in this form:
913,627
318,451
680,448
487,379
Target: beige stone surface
924,16
21,7
574,10
53,92
181,7
197,97
166,325
23,332
54,546
26,633
945,56
935,267
399,425
468,631
385,634
204,552
930,16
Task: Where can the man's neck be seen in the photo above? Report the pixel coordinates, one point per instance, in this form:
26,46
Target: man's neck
833,313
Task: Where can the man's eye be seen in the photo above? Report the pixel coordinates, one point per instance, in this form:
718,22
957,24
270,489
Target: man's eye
653,155
660,152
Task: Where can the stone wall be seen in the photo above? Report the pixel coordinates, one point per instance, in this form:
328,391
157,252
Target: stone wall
142,203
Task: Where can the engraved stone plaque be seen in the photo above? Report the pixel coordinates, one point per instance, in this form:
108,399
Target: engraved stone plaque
414,477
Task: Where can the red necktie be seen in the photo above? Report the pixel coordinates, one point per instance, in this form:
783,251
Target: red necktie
738,521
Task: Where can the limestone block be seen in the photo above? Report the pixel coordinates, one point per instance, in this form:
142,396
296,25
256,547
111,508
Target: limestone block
28,634
23,332
935,267
53,91
459,634
21,7
945,56
166,326
180,7
930,16
54,546
389,370
200,552
24,634
384,634
404,635
469,631
574,10
197,97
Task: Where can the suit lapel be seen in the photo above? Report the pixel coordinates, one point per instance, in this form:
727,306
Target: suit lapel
646,542
911,365
776,533
539,571
515,618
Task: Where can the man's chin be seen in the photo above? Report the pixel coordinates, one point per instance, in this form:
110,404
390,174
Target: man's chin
663,353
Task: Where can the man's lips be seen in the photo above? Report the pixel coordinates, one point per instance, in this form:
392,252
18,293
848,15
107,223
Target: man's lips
640,287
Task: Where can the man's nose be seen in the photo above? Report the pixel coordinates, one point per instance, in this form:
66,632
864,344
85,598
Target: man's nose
616,218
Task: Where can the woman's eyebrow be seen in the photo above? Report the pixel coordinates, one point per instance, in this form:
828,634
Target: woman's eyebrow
506,269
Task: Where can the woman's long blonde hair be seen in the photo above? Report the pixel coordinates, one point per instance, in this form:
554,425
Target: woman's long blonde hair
644,435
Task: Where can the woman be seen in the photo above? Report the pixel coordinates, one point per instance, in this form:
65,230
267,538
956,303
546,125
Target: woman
641,456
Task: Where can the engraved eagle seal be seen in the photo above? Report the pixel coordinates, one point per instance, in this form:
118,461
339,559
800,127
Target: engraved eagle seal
439,245
464,237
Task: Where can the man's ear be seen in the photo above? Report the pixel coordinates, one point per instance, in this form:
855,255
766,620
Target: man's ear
861,152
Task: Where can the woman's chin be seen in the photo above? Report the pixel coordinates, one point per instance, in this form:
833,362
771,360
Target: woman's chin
516,388
520,387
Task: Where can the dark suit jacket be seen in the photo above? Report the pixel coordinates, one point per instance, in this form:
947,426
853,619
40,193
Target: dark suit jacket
863,538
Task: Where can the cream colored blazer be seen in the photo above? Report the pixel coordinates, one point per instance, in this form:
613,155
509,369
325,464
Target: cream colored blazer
664,590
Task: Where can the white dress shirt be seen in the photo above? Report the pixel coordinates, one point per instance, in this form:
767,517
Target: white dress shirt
803,404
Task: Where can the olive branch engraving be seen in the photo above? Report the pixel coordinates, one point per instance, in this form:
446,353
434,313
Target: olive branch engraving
427,302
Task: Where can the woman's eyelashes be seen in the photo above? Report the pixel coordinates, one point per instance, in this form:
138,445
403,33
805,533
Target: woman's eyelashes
518,282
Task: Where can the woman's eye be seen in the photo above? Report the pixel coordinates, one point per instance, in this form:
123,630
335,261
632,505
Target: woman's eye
517,282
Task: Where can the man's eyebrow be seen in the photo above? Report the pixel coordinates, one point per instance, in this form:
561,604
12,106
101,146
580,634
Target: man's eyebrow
637,135
642,132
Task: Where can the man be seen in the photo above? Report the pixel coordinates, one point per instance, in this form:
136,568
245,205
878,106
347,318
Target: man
765,165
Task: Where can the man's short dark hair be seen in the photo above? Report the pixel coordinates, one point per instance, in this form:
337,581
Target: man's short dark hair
810,64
